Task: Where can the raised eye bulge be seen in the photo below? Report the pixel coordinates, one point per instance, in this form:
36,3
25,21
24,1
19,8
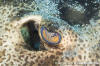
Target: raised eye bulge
50,37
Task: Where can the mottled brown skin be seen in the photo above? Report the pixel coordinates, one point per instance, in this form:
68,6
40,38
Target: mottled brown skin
13,53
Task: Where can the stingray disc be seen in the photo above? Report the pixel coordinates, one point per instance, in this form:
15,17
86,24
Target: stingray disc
50,37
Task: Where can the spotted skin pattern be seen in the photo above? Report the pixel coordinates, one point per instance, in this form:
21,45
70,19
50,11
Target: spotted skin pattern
72,47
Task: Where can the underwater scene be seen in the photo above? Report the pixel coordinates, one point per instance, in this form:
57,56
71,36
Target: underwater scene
49,32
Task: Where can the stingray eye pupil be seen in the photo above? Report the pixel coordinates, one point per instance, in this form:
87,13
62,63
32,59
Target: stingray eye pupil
50,37
53,35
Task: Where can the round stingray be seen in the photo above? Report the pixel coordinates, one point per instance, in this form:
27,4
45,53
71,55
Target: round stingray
49,37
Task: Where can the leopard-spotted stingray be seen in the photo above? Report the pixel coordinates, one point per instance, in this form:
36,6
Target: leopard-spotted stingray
74,46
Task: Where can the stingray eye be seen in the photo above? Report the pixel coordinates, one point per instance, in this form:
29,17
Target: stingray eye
50,37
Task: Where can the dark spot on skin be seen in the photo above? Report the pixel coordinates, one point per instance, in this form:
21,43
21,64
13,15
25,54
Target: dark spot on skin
92,60
29,54
41,54
25,64
75,39
1,42
46,53
22,56
51,51
7,29
21,52
68,33
62,60
32,63
63,37
36,60
17,49
11,25
6,36
80,57
13,31
84,51
98,49
39,64
72,58
0,26
6,24
89,56
80,40
2,35
52,56
6,46
26,58
15,27
0,38
57,57
12,42
34,56
16,60
38,57
76,36
41,61
4,41
9,56
10,37
46,57
84,45
14,56
67,58
97,65
84,57
6,64
78,44
97,56
12,63
70,29
63,49
81,48
19,65
72,32
71,40
2,53
59,53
